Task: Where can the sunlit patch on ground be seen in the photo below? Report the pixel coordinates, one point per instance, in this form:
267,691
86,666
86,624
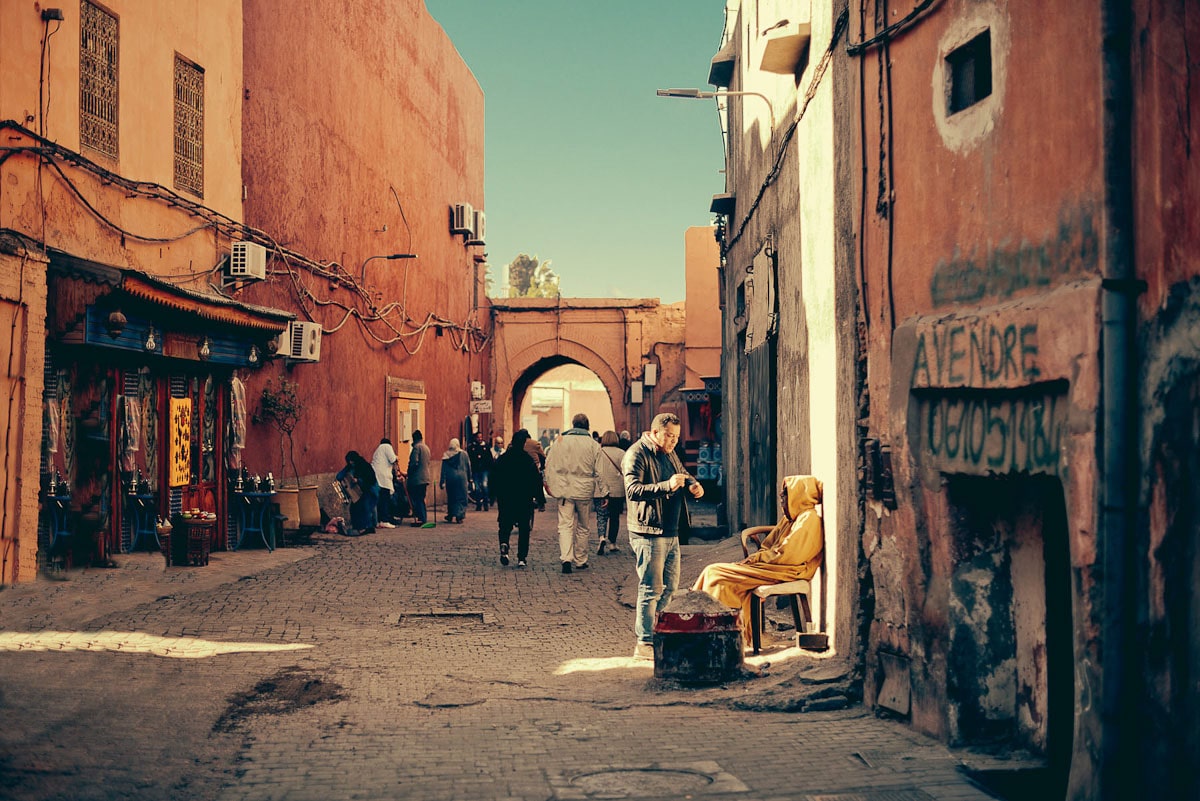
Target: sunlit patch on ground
133,642
597,664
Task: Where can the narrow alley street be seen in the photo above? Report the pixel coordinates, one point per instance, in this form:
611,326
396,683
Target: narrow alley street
425,670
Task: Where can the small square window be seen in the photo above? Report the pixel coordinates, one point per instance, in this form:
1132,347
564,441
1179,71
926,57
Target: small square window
970,70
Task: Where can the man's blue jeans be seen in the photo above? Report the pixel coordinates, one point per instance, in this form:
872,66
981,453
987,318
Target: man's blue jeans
658,579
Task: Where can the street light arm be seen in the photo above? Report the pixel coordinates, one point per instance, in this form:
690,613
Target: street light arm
700,94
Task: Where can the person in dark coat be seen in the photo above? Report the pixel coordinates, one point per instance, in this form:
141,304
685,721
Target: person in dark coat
481,469
362,511
516,484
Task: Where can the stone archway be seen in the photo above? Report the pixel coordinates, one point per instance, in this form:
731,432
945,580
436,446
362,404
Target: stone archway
528,366
614,338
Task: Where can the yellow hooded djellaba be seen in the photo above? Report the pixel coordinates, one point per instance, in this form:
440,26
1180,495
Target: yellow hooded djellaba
790,552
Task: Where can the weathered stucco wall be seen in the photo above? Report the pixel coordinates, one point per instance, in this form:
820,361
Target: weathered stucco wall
702,308
362,129
209,34
1166,121
981,272
22,348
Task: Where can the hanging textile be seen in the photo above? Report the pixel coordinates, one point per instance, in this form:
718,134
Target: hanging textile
179,445
131,432
52,417
237,424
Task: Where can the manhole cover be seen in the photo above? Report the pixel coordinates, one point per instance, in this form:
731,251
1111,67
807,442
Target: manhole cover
643,782
875,795
678,780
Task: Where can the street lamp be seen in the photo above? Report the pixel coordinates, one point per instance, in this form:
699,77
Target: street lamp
698,94
363,270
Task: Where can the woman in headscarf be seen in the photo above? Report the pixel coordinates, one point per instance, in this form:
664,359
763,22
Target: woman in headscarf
456,474
790,552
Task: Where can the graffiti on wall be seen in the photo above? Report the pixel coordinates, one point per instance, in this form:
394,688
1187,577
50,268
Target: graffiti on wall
983,433
998,274
976,353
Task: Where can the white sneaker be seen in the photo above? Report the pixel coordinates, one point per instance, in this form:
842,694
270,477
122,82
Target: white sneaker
387,525
643,650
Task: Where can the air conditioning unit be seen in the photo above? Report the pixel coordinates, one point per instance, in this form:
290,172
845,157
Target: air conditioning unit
478,229
303,342
464,219
247,261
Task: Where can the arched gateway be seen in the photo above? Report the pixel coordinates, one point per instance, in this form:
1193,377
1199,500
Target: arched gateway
615,338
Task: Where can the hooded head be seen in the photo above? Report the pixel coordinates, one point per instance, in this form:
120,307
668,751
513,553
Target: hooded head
800,494
455,446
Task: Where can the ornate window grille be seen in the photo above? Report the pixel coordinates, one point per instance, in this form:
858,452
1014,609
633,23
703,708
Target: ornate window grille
98,79
189,126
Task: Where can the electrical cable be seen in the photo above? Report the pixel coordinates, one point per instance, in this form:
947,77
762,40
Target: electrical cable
889,33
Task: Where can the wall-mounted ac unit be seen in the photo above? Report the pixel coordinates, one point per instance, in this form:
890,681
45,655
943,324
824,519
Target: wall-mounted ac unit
464,219
303,343
247,261
478,229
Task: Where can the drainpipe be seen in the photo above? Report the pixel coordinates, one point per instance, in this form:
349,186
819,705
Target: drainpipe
1118,479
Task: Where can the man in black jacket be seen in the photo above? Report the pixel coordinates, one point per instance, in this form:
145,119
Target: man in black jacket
653,477
481,466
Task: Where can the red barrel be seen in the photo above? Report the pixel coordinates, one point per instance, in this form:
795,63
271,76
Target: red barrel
697,640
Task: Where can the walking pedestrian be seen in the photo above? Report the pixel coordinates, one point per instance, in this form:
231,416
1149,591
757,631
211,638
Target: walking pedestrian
456,471
515,484
572,479
497,447
383,461
654,477
538,454
359,476
624,440
609,507
481,466
417,477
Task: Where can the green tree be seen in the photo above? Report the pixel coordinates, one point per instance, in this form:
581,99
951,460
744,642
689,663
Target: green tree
530,278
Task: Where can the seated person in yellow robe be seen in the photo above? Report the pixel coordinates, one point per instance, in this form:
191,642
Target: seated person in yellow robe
790,552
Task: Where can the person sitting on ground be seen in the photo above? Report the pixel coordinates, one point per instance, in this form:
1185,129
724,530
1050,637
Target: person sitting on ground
358,471
790,552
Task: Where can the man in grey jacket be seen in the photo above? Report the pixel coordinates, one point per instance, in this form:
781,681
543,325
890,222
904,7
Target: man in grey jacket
573,479
654,477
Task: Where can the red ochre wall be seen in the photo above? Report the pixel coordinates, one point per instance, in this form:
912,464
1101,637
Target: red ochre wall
361,129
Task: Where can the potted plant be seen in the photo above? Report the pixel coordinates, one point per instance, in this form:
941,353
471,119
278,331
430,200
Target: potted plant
282,407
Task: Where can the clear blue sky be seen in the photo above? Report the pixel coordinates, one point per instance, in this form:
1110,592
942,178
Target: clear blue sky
584,165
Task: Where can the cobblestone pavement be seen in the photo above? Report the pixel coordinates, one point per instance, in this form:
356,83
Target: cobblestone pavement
433,673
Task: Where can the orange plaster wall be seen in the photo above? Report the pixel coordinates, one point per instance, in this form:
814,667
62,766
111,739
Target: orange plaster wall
357,144
1002,234
206,33
702,337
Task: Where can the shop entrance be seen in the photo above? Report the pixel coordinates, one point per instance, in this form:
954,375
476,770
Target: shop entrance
1010,668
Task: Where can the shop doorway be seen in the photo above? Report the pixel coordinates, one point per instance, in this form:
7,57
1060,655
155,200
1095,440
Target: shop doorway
1010,675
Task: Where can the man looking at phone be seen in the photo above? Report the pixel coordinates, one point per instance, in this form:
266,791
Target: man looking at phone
654,477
